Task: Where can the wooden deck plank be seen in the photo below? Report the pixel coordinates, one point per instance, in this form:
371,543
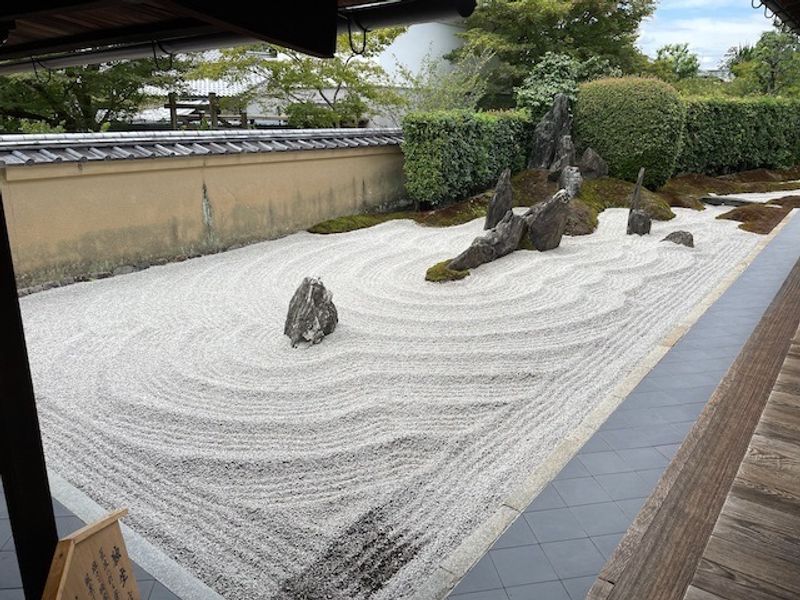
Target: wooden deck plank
754,550
658,556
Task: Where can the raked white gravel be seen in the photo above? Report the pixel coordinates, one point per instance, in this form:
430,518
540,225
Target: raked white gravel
351,468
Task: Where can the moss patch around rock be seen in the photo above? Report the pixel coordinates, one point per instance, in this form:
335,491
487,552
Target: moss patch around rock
453,214
440,273
758,218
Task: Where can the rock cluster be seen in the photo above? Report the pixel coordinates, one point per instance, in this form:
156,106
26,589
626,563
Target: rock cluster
312,314
683,238
501,201
554,149
639,221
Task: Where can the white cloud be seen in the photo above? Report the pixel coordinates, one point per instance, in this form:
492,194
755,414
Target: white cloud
707,36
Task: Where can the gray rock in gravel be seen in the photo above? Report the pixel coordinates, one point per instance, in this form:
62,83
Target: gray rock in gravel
592,165
563,157
123,270
312,314
554,125
639,221
680,237
501,201
547,221
498,242
571,181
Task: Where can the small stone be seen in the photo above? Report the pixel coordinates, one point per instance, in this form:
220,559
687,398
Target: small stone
592,165
312,314
501,201
498,242
680,237
547,221
123,270
571,181
553,126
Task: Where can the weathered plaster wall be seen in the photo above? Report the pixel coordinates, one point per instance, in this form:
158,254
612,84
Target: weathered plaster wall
68,220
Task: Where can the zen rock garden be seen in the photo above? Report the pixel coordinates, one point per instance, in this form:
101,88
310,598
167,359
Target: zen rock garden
312,314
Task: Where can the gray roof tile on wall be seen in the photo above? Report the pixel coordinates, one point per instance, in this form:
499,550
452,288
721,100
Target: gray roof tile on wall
18,150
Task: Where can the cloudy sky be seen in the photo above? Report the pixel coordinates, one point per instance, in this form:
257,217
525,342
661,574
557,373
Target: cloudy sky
710,27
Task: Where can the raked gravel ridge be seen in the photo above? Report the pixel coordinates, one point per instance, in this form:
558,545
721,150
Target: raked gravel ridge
351,468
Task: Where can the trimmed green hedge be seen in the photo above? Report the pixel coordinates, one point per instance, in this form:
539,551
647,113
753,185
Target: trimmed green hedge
632,122
725,135
451,154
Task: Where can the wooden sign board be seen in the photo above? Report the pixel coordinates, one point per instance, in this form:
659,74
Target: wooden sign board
93,564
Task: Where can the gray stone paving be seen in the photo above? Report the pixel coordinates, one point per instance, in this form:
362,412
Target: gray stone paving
557,546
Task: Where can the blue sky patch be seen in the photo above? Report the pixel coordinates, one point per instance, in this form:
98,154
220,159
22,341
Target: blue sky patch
710,27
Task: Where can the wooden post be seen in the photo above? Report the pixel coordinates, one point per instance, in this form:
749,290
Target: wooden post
213,109
25,483
243,120
173,111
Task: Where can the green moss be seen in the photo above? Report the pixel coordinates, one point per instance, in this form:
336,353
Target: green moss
439,273
607,192
353,222
758,218
447,216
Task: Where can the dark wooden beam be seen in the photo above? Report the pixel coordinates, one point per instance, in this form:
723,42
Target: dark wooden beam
25,484
163,30
29,8
305,25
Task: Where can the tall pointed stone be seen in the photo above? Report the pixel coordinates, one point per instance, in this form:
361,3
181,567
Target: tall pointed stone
639,221
501,201
549,131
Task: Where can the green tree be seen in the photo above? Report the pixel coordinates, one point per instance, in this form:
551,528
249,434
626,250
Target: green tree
558,74
345,89
777,63
442,85
675,62
520,32
770,67
86,98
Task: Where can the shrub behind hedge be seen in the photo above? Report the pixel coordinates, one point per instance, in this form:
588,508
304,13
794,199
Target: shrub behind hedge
725,135
451,154
632,122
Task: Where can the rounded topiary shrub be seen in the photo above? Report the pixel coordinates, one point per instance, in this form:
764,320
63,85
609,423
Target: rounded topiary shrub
632,122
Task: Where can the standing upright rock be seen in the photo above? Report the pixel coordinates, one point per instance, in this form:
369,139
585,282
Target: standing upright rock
312,314
547,221
571,181
592,165
548,133
639,221
501,201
